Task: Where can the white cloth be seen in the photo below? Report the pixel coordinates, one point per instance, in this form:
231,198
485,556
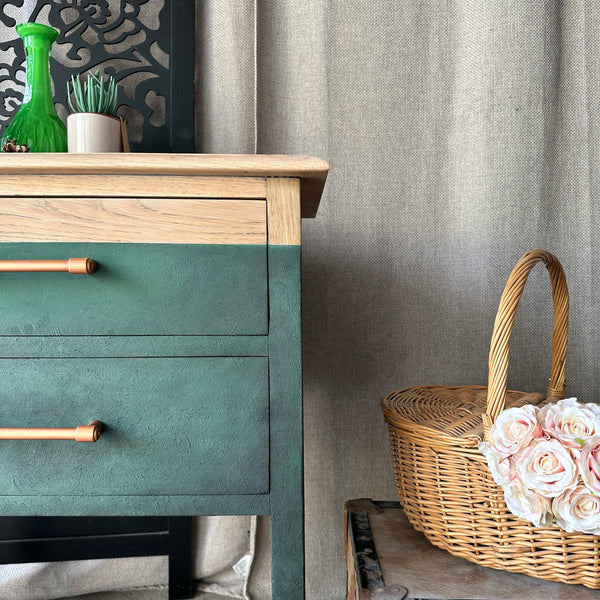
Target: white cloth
222,562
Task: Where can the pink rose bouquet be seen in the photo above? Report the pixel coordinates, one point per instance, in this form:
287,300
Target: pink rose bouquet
547,462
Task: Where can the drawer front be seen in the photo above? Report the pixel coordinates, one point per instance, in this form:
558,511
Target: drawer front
173,426
138,289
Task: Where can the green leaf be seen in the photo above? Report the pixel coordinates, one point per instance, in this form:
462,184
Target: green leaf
69,97
97,94
78,93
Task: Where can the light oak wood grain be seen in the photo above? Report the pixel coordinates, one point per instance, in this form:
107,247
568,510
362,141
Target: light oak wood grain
115,185
122,220
283,207
311,171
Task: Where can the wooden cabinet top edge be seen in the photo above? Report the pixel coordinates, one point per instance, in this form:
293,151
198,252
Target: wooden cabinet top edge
311,171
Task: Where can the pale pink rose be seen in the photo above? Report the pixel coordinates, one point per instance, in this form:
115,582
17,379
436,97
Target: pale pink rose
514,429
546,467
527,504
570,421
578,509
594,407
500,468
589,464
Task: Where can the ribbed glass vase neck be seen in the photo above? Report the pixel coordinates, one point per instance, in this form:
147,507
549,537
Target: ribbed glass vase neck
38,40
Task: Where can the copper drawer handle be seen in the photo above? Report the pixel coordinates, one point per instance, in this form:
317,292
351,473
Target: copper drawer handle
82,433
84,266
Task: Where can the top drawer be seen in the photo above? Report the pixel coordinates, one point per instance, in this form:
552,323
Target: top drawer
165,267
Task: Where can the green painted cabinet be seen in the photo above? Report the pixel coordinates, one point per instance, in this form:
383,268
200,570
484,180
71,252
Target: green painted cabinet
173,426
184,341
138,289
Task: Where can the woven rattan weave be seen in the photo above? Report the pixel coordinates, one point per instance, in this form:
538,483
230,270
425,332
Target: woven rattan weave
442,478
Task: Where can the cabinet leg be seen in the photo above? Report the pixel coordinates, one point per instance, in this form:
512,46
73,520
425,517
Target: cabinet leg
287,557
180,558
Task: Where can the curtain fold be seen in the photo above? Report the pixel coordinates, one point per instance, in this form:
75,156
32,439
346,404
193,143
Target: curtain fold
226,76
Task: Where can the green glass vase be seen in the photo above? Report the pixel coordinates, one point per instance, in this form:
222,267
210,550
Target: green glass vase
36,123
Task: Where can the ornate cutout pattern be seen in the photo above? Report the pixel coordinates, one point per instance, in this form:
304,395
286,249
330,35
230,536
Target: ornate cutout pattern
129,38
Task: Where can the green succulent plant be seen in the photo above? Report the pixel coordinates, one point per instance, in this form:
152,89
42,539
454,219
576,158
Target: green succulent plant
96,94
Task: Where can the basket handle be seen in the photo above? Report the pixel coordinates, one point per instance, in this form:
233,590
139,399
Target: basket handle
500,345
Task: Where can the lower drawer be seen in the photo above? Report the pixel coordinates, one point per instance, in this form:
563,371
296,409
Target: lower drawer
178,426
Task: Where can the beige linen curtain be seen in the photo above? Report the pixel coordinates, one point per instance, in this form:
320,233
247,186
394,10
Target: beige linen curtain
460,134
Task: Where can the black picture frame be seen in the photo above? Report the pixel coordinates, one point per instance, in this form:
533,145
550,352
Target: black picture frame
182,115
173,83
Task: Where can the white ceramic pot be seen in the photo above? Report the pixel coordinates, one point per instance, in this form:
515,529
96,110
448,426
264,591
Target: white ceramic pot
93,132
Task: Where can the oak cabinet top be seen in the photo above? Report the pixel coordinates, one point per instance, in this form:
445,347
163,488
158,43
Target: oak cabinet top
311,171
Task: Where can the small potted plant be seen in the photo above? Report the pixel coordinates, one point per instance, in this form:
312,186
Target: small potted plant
93,125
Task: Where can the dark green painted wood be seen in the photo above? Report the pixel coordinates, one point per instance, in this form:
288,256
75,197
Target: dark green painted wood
124,346
285,368
173,426
139,289
166,505
221,435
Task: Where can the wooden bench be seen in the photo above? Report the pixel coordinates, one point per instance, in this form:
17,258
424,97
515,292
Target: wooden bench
388,560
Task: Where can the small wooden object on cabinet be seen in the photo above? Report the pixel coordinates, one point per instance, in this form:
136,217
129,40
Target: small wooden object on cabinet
184,343
388,560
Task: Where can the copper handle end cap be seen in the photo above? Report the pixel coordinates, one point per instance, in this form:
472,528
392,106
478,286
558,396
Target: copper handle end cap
82,266
89,433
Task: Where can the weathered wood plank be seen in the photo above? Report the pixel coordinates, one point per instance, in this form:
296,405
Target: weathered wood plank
412,568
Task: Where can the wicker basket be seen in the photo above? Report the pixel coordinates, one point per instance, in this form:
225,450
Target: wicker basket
442,478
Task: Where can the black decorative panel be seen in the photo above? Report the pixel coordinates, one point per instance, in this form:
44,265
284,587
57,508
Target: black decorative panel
148,45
